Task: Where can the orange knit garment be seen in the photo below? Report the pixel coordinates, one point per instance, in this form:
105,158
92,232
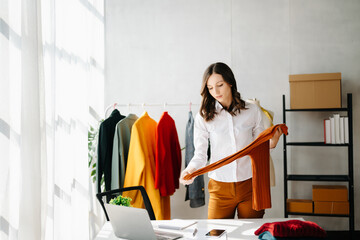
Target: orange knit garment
259,152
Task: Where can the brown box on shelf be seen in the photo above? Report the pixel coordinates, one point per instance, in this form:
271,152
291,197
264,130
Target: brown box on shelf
331,207
299,205
329,193
319,90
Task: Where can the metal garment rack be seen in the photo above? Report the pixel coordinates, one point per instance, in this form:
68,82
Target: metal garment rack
143,105
349,178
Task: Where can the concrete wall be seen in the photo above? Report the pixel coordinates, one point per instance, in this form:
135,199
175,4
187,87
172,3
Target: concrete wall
156,52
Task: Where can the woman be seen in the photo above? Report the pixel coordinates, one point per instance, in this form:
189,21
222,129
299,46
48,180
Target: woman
229,124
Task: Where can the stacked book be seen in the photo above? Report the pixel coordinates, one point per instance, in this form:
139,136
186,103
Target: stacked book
336,130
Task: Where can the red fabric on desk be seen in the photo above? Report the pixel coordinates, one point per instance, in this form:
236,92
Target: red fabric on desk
292,228
259,152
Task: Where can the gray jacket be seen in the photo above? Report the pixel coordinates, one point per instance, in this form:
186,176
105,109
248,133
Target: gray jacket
195,191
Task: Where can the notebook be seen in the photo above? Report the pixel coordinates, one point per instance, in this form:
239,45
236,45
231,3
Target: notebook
176,224
134,223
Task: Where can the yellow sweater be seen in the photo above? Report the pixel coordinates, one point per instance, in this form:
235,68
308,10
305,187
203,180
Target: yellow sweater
140,169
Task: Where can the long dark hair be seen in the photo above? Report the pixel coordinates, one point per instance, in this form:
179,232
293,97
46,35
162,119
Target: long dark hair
207,108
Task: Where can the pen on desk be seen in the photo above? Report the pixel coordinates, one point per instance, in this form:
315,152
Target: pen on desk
195,231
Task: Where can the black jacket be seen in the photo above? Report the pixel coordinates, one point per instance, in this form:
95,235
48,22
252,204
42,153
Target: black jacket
105,149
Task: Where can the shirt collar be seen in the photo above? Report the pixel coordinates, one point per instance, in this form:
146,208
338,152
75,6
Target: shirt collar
115,113
132,116
218,106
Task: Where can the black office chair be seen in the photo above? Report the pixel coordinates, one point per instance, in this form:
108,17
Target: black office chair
114,193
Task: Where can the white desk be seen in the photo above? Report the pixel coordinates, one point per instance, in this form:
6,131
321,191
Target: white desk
236,229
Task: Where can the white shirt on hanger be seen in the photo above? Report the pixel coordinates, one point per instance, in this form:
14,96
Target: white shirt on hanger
228,134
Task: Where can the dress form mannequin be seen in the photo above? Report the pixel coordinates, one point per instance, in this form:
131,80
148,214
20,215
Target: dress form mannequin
268,122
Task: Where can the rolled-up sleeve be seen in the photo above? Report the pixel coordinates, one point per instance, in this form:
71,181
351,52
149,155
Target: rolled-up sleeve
259,124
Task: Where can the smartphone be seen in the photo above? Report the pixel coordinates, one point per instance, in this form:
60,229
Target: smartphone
215,233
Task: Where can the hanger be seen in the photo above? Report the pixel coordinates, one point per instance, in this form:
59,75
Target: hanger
143,107
113,106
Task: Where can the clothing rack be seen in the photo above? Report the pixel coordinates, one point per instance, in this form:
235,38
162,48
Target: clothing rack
143,105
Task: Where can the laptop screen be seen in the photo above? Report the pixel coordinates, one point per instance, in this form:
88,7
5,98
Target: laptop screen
132,223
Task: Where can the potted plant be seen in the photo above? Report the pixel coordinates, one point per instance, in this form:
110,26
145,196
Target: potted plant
122,201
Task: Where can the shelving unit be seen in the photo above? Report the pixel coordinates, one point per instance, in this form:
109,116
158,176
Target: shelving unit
349,178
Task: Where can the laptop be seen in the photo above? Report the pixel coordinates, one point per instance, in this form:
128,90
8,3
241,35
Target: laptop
134,223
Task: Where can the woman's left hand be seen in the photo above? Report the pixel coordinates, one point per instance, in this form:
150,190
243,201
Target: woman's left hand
274,140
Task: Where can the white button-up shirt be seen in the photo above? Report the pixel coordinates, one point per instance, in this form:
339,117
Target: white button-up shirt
227,134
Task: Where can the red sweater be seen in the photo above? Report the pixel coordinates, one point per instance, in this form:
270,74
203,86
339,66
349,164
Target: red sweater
168,156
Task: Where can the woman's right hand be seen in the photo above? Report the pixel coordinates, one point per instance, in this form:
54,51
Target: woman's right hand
186,172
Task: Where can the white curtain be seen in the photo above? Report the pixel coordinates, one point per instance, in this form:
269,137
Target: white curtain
51,74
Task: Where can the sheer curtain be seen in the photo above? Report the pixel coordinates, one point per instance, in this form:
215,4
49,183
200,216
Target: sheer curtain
51,74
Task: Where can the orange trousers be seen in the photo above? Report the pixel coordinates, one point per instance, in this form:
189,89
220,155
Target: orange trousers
228,197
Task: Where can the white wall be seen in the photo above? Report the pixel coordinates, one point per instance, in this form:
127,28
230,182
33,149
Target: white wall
156,52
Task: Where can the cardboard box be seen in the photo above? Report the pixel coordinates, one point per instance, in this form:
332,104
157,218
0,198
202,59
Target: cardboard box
299,205
330,193
320,90
331,207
